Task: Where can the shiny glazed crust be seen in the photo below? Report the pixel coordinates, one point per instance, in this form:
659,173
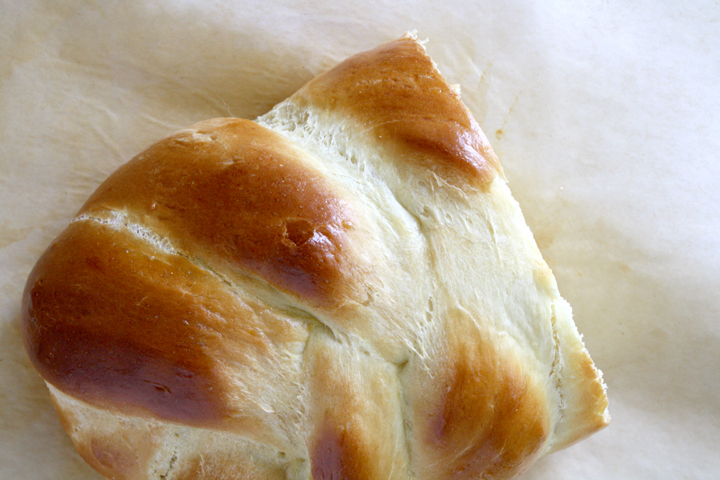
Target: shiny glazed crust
344,288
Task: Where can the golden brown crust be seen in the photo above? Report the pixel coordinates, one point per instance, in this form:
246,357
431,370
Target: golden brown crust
228,304
594,415
586,409
111,320
481,413
84,282
396,93
243,196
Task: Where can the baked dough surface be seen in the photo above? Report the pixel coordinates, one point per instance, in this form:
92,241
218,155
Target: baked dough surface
344,288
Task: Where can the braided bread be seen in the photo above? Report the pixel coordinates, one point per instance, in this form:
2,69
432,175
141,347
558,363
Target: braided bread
343,288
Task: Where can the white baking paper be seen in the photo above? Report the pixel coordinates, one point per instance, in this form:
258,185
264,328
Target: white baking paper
604,114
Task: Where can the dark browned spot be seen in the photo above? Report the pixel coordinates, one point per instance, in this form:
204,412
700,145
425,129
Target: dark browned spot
339,455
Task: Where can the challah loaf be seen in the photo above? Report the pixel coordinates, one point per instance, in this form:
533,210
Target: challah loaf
342,289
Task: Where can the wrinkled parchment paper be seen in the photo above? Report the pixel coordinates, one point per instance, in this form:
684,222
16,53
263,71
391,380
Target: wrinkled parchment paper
605,116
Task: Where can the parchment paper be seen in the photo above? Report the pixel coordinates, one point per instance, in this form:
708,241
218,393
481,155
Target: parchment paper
604,115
